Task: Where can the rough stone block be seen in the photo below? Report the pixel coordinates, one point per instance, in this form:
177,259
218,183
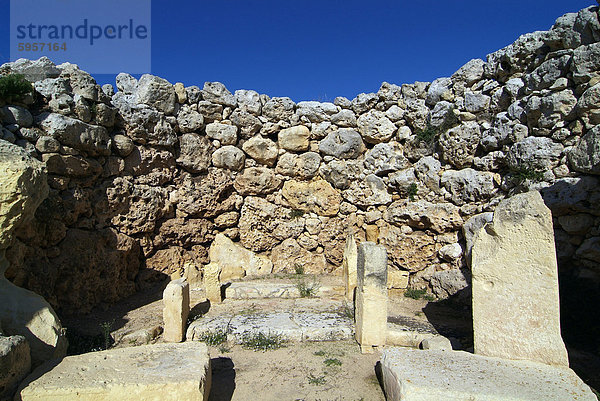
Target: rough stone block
15,364
349,266
148,372
371,296
417,375
212,284
397,279
515,284
176,299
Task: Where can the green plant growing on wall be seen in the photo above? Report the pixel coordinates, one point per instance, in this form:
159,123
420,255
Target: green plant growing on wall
427,135
526,171
13,87
412,191
308,288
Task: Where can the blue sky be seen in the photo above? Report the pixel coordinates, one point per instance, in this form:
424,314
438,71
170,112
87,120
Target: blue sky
317,50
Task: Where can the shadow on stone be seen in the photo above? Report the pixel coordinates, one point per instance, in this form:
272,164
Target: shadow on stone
452,317
223,379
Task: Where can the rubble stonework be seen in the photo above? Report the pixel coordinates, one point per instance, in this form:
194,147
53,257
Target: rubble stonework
155,171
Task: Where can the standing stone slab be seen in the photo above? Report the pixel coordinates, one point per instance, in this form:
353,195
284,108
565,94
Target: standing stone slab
165,372
349,266
176,298
371,296
515,284
212,283
15,364
418,375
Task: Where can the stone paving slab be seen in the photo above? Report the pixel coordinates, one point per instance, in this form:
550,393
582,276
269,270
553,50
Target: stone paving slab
256,290
418,375
149,372
301,326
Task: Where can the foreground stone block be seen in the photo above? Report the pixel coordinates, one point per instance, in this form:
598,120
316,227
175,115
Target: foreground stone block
212,284
515,284
15,364
349,266
371,296
149,372
176,299
417,375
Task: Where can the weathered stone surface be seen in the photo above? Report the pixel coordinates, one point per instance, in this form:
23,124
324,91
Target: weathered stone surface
447,283
510,320
341,173
279,108
235,261
212,283
534,152
412,252
344,143
189,120
349,266
123,145
315,196
385,158
458,145
440,217
216,92
33,70
15,363
249,101
468,185
371,296
289,256
263,150
224,133
156,92
469,73
372,191
585,157
256,181
263,224
438,343
303,166
397,279
229,157
16,115
144,372
195,153
206,196
294,138
316,112
375,127
74,133
176,307
418,375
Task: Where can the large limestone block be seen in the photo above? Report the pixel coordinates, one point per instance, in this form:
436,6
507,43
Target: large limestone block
148,372
515,284
371,296
236,261
316,196
349,266
15,364
418,375
176,299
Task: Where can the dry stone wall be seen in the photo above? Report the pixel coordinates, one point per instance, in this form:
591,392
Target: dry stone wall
144,178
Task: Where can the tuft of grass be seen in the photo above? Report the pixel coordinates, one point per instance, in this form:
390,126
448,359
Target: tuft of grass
348,310
213,338
316,380
427,135
308,288
298,268
526,172
224,349
106,328
332,362
320,353
412,191
418,294
14,86
295,213
263,342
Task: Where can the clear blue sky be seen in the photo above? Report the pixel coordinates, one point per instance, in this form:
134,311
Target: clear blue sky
317,50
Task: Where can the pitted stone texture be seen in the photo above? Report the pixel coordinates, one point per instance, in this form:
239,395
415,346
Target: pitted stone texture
15,364
176,299
375,127
292,326
517,319
316,196
156,92
368,192
418,375
265,290
75,133
294,138
439,217
147,372
235,261
585,157
344,143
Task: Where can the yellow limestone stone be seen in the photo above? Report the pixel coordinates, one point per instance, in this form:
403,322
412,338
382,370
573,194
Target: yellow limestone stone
212,285
349,266
371,296
176,299
515,284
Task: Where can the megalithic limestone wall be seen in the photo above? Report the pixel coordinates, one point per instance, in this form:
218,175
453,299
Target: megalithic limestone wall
515,284
142,181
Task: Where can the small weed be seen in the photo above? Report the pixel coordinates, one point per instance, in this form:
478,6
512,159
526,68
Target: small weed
526,172
296,213
308,289
224,349
320,353
316,380
213,338
348,310
418,294
133,342
427,135
263,342
298,268
14,86
106,328
332,362
412,191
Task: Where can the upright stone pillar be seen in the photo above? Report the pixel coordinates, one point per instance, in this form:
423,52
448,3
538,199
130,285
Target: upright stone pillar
212,283
176,299
349,267
515,284
371,296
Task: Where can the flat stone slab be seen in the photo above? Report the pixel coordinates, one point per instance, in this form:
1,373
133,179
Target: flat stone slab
293,326
148,372
256,290
418,375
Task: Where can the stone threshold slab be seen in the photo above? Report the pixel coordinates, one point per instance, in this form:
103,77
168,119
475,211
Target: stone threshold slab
156,372
418,375
256,290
